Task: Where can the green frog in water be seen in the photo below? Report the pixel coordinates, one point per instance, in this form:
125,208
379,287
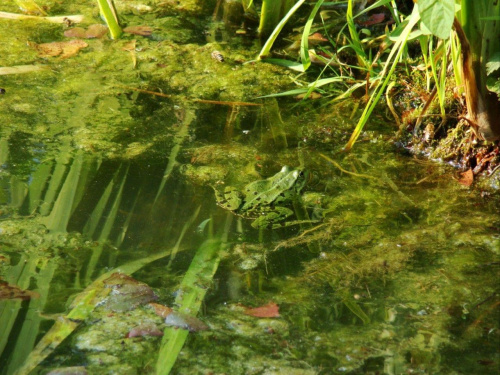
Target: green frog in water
264,201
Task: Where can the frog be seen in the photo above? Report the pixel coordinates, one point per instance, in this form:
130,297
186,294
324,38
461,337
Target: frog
265,201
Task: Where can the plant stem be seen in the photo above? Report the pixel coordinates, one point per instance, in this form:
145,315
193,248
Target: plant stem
108,12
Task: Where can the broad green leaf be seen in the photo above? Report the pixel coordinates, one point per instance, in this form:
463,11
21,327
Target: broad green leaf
437,16
493,84
494,63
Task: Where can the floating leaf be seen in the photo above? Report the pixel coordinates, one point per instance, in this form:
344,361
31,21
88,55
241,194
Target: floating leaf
184,321
271,310
63,49
93,31
161,310
9,291
139,30
96,31
147,329
75,32
72,47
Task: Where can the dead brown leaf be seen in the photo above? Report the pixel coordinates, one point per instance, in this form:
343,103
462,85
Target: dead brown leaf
161,310
139,30
63,49
146,329
75,32
466,178
130,47
372,20
93,31
184,321
96,31
72,47
271,310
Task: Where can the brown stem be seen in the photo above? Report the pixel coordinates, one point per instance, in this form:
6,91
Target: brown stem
479,112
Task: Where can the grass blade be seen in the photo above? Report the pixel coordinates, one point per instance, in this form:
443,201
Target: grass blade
397,50
270,41
304,44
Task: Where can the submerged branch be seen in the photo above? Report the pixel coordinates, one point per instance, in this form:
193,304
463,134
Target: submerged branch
77,18
203,101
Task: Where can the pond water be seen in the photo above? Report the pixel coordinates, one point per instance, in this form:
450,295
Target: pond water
110,161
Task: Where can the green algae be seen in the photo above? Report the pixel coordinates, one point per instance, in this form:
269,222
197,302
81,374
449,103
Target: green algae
103,77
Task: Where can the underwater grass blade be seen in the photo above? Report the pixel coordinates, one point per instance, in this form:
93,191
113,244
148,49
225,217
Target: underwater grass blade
181,135
59,216
43,270
56,180
81,309
177,245
20,275
293,65
40,180
107,11
61,329
192,291
109,222
271,121
272,38
397,50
